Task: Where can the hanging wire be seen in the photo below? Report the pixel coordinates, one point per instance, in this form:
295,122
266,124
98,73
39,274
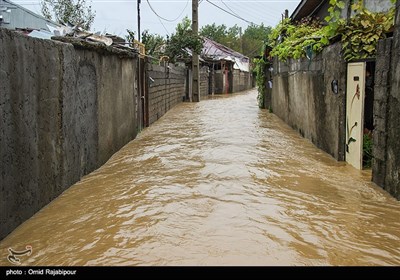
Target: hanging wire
232,14
169,20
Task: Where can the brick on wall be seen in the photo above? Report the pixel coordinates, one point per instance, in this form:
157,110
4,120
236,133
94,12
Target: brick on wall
167,90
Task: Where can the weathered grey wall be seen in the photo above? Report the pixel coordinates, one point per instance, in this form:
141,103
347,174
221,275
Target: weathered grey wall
117,100
63,112
236,85
219,84
371,5
31,160
167,90
386,164
204,82
241,80
378,5
211,81
392,182
268,88
381,97
302,97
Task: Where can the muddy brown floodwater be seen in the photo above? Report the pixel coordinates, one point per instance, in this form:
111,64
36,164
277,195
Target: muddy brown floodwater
218,182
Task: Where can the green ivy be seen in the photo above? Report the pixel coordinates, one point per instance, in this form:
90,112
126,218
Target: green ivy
334,20
290,40
260,70
359,35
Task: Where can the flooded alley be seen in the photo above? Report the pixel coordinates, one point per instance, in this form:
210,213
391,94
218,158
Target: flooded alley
219,182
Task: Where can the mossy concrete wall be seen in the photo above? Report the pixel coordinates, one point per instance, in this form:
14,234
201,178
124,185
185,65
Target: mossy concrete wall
302,97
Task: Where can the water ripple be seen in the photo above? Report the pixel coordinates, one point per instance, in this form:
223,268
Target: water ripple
218,182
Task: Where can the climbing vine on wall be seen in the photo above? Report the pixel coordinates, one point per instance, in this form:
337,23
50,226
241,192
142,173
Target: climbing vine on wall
292,40
334,20
260,69
359,35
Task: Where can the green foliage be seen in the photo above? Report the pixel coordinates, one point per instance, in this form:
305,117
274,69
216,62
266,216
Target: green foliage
131,36
253,39
74,11
334,19
154,43
367,151
181,40
229,37
214,32
261,65
260,70
248,43
363,31
257,32
359,35
291,40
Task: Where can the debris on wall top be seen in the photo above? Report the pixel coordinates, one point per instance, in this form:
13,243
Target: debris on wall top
79,37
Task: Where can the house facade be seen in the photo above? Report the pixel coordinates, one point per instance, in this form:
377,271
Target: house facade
14,16
229,70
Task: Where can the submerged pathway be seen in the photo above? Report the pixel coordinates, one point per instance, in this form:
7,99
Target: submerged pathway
218,182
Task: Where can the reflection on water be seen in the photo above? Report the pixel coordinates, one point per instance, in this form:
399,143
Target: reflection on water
216,183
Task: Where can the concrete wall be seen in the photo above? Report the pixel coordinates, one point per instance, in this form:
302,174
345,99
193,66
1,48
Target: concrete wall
64,111
219,82
371,5
378,5
204,82
381,97
302,97
386,162
241,80
211,81
167,90
268,88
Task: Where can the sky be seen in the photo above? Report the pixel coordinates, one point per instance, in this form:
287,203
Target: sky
115,16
